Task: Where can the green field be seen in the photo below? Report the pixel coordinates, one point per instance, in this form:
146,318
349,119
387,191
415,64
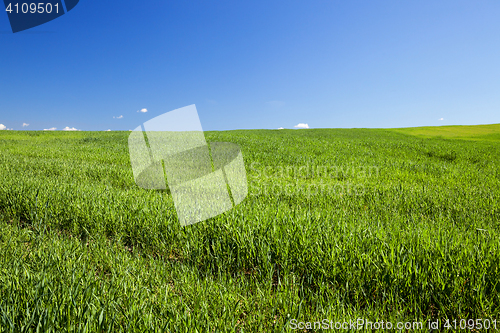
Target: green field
340,224
478,132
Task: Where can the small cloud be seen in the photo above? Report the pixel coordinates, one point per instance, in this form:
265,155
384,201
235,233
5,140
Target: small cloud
301,125
50,129
276,104
441,118
2,127
25,125
70,129
119,117
281,128
143,110
108,130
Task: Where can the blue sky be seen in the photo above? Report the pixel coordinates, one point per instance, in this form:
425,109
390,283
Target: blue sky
255,64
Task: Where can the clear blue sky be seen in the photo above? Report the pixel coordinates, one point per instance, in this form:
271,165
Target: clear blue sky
255,64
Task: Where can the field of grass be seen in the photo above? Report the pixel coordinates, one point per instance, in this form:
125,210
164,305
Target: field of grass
338,224
478,132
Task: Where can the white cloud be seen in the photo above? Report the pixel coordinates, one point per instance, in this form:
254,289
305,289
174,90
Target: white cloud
25,125
50,129
108,130
2,127
281,128
143,110
301,125
70,129
119,117
441,118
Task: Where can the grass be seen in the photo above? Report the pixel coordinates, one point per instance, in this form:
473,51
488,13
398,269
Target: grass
477,132
338,224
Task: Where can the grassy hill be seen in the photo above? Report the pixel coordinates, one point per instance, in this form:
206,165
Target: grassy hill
477,132
339,224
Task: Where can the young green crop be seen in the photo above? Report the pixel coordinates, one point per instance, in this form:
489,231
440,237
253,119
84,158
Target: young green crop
338,224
